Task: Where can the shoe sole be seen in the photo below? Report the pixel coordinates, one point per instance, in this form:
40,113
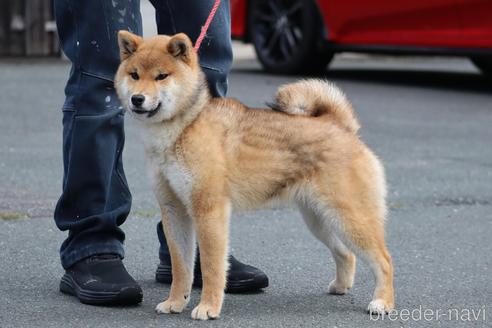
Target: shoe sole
126,296
164,275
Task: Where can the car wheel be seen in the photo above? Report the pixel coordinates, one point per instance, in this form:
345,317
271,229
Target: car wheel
285,34
484,64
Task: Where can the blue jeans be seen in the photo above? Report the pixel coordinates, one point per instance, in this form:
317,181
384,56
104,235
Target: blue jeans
95,198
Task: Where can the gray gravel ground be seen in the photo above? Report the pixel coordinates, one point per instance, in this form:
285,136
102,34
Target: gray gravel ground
428,119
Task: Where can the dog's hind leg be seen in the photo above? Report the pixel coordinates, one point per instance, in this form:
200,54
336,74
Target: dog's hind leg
363,230
322,228
358,197
180,236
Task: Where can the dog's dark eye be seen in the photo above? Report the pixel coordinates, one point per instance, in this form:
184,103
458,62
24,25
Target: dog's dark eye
161,76
134,75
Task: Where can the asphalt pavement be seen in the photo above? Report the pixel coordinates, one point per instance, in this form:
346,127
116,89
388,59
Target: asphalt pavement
429,119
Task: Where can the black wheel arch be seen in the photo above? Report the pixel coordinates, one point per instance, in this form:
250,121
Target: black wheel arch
309,56
322,29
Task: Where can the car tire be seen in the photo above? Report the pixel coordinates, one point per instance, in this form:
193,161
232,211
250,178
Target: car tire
286,36
484,64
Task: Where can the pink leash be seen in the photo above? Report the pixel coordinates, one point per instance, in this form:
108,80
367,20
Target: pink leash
206,26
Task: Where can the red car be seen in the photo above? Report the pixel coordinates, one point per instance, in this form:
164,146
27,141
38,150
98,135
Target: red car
293,36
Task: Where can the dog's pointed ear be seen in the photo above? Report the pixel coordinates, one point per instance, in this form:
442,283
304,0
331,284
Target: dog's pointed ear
128,43
180,47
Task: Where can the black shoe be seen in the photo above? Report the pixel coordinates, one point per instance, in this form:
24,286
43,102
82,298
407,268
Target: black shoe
101,280
241,278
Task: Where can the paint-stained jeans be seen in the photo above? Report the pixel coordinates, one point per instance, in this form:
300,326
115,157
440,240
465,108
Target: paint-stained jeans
95,198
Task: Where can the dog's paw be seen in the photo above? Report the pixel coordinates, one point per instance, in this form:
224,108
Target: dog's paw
335,288
205,312
379,306
170,306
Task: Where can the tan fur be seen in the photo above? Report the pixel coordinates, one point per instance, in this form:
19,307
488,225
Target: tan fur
317,98
209,157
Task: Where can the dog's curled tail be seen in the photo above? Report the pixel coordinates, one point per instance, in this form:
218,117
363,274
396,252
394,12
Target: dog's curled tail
316,98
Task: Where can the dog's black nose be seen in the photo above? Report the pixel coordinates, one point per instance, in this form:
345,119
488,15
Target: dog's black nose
138,100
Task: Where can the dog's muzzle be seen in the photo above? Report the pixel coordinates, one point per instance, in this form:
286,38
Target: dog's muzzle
149,113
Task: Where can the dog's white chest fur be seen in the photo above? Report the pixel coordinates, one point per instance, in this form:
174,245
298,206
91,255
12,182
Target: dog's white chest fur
179,177
165,165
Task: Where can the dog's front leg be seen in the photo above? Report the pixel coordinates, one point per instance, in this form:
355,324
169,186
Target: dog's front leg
180,236
212,223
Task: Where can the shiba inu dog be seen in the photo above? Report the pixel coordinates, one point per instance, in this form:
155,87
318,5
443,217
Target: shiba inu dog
211,156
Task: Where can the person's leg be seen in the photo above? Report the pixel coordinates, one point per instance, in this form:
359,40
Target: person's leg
188,16
215,53
95,198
